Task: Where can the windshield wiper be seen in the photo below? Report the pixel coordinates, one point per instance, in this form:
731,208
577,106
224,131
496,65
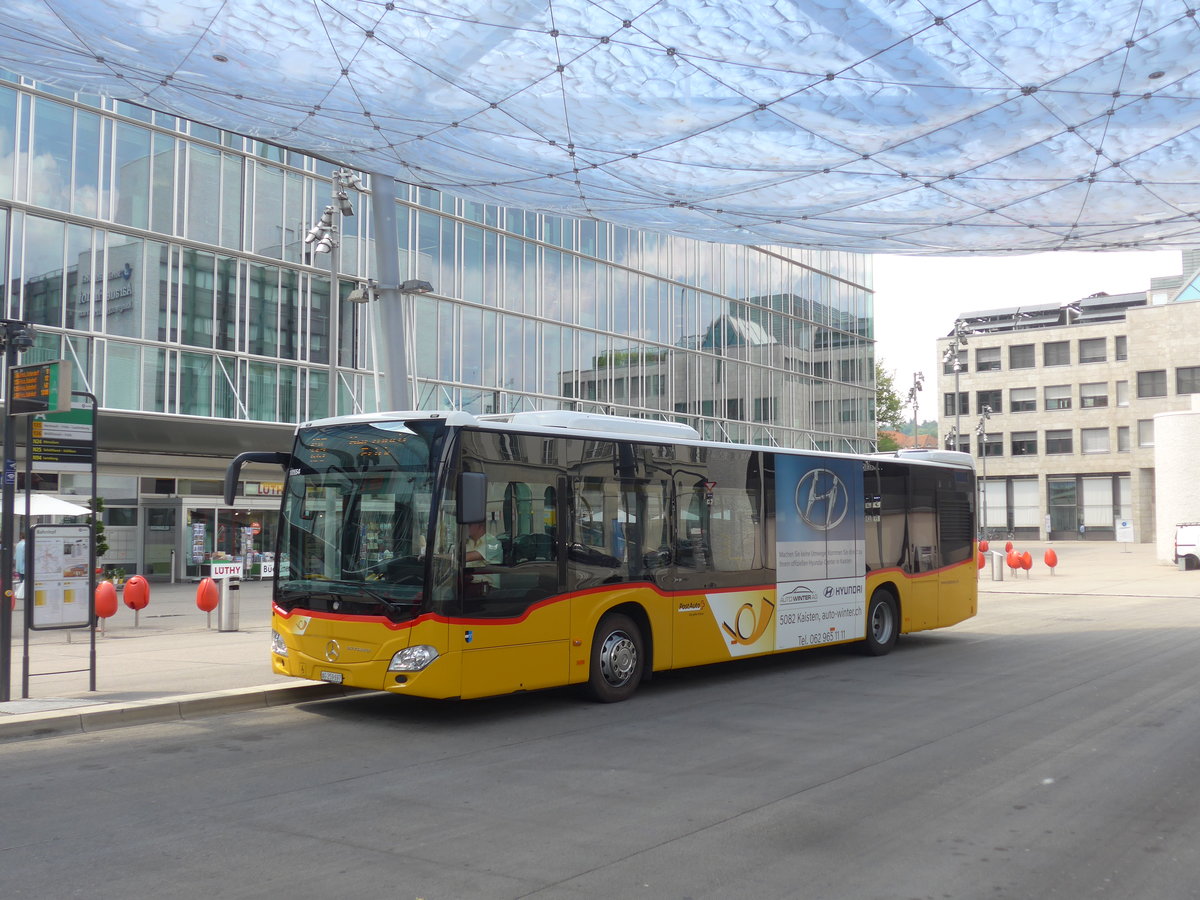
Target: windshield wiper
343,590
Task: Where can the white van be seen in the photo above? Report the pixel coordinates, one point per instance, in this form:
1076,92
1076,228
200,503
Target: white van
1187,545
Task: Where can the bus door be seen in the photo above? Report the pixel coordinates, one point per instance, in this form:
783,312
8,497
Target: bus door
724,598
922,556
511,626
956,538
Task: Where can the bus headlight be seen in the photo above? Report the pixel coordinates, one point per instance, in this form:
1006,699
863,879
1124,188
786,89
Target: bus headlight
413,659
278,647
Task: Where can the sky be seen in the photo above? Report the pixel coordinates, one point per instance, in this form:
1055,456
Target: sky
918,298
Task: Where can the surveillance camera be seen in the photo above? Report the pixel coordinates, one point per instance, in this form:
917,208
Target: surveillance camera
324,245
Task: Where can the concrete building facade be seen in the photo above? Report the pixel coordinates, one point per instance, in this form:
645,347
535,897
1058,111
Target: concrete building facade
1058,406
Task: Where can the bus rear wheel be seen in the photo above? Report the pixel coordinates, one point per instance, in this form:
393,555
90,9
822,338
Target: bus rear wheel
618,659
883,624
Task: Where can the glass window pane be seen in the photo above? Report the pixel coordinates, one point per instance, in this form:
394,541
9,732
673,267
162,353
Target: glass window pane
1021,357
267,225
203,194
1026,503
1056,353
197,283
1092,350
225,388
8,158
263,310
42,274
131,185
162,211
1152,384
122,376
195,384
53,125
263,380
1098,502
1094,440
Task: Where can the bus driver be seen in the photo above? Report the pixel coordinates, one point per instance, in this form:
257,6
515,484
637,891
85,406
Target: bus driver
482,549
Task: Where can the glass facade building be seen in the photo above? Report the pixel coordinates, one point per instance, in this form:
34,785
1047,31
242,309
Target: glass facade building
166,260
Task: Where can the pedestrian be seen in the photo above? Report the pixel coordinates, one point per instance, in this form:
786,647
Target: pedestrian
19,567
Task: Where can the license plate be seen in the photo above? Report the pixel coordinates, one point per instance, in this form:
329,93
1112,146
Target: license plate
332,677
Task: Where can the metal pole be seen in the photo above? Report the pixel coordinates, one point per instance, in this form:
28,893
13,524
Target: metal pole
391,305
6,520
983,489
957,402
981,429
335,315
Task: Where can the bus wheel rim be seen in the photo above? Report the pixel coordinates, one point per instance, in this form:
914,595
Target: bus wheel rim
881,622
618,658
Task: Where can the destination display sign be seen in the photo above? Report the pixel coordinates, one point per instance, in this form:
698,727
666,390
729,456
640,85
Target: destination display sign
40,387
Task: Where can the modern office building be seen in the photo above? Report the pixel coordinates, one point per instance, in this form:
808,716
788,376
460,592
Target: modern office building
1068,448
166,261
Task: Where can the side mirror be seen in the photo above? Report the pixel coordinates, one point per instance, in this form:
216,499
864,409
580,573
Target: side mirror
472,497
235,468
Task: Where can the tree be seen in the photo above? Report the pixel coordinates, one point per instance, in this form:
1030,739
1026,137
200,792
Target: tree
889,408
97,507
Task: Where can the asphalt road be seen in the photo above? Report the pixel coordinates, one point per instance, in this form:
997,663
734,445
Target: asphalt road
1047,748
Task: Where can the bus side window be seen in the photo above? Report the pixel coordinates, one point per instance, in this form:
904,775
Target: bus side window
886,538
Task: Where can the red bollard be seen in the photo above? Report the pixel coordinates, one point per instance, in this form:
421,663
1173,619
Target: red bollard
1051,559
1013,560
1026,562
983,546
1008,547
106,601
137,596
208,595
980,558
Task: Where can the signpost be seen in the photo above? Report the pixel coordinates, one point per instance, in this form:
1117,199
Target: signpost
16,337
1125,533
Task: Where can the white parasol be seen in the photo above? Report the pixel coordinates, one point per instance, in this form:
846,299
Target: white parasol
49,505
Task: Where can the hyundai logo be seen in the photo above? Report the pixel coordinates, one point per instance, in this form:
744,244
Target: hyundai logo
822,499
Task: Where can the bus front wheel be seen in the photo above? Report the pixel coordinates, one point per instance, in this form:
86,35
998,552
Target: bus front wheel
617,659
883,624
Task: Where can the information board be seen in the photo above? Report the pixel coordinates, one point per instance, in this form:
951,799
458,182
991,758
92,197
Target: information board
63,442
57,587
40,387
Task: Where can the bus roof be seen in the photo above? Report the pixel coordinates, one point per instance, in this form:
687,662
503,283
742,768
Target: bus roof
601,426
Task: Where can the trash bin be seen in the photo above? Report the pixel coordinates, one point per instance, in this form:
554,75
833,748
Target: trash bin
999,561
230,604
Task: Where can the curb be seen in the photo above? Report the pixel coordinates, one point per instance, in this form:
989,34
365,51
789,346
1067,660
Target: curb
106,716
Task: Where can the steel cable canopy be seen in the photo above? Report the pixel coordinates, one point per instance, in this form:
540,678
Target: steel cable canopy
993,126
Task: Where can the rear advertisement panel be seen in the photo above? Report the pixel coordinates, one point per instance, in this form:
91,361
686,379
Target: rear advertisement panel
820,551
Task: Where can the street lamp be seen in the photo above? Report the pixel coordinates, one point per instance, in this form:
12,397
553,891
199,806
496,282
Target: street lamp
953,356
323,238
981,429
917,387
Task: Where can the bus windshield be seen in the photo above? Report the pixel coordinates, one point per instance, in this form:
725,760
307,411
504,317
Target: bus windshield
355,516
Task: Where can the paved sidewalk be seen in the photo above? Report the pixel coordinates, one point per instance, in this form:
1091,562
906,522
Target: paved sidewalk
171,662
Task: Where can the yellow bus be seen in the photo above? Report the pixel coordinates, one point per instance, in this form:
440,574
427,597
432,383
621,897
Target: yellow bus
445,555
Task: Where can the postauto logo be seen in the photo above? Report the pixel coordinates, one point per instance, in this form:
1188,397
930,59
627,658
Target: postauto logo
822,499
749,622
